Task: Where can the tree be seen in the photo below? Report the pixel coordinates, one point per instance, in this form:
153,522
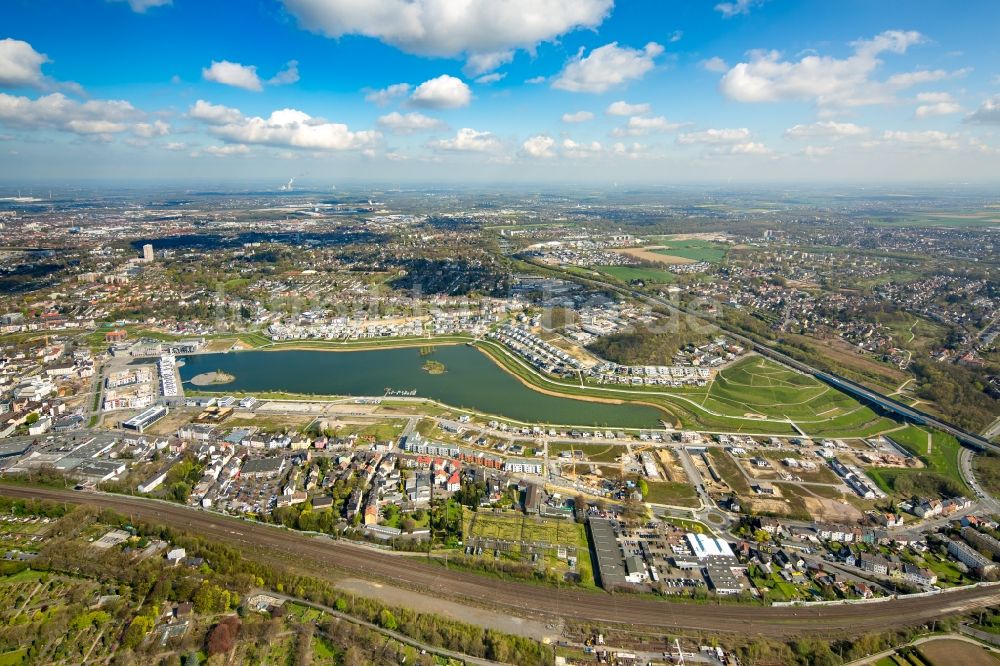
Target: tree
136,631
387,620
581,507
222,638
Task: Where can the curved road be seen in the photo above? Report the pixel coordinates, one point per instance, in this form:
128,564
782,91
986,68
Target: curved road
326,558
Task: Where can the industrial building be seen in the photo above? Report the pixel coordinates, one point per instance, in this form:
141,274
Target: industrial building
609,563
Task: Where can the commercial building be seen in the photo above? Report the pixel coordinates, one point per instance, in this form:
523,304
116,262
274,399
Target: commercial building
704,546
147,418
610,565
262,467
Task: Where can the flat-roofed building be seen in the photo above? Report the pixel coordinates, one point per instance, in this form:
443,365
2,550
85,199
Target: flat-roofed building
970,557
704,546
610,563
141,421
262,467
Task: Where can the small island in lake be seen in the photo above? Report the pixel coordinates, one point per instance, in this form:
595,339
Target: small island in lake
434,367
210,378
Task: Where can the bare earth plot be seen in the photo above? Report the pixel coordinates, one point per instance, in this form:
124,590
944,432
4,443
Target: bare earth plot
650,254
946,652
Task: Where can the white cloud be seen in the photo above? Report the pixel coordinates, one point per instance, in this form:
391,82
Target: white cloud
981,147
232,74
925,139
577,117
174,145
443,92
826,80
917,77
288,128
936,104
290,74
715,136
817,151
714,64
934,97
227,150
409,123
150,130
214,114
485,30
140,6
750,148
641,125
535,80
737,7
468,140
623,108
479,63
575,150
606,67
20,64
487,79
56,111
385,95
987,114
827,128
676,36
630,151
539,147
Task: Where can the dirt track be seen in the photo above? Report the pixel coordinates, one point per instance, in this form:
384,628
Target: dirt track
325,558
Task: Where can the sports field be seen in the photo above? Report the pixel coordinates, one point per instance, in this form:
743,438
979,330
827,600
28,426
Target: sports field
629,273
696,250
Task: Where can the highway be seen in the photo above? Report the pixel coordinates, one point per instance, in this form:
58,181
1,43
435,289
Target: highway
332,559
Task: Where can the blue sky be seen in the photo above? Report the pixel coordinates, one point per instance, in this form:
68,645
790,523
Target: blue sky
533,90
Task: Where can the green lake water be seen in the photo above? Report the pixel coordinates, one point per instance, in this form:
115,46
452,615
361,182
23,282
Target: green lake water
472,380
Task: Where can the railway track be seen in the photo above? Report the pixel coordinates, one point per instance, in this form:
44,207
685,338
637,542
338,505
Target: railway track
333,559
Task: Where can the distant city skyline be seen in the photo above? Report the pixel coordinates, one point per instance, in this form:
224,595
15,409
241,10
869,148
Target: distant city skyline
547,91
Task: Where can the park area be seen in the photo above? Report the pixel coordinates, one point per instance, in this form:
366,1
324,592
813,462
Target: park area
755,387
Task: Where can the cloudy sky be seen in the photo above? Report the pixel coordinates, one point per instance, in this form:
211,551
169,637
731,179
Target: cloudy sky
503,90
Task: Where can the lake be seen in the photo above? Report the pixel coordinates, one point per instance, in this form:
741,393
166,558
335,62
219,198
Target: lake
471,380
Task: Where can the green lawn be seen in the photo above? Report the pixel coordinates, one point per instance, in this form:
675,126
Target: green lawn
14,657
729,470
595,452
629,273
944,450
696,250
667,492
